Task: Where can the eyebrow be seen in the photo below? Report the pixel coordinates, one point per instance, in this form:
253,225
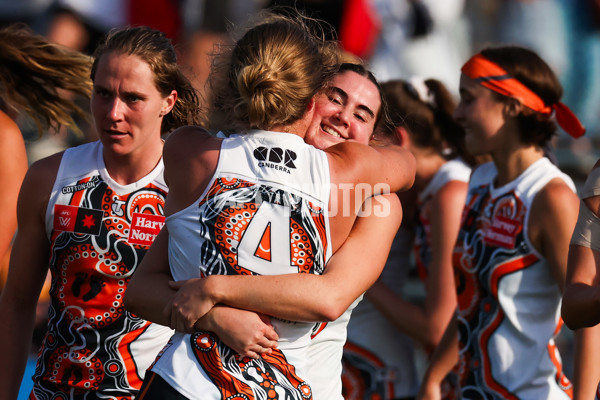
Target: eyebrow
360,106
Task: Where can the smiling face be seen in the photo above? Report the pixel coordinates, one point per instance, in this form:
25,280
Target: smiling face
482,116
346,110
127,107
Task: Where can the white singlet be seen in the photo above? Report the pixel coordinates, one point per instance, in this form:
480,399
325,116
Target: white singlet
264,212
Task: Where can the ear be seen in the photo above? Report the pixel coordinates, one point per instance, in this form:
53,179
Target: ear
311,104
402,137
513,107
168,103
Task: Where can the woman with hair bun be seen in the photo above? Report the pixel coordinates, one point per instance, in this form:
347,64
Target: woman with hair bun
511,254
255,203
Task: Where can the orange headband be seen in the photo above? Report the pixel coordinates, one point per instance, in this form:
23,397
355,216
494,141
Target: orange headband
494,77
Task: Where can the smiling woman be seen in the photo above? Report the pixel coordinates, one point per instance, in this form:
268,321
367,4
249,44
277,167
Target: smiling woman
519,215
349,108
90,213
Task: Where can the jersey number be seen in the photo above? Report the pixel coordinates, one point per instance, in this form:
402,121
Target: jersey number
265,245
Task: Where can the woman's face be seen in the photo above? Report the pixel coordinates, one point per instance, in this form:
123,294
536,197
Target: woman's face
127,107
346,110
482,116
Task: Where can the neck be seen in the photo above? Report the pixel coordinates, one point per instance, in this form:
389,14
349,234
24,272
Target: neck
512,163
126,169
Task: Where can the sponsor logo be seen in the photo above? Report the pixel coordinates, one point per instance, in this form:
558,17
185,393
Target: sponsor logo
144,228
502,232
77,219
276,158
80,186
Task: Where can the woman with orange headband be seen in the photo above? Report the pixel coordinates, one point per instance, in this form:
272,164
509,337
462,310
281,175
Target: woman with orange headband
510,257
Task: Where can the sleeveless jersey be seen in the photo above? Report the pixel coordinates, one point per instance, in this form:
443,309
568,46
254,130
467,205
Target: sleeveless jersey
508,302
99,231
325,356
453,170
379,360
264,212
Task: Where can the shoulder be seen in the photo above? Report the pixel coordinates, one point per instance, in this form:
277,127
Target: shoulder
451,192
189,145
38,183
555,194
10,130
188,140
554,205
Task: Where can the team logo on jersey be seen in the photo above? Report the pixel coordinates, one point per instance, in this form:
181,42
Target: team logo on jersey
276,158
144,228
77,219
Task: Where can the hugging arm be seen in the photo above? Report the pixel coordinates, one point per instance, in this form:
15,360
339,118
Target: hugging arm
304,297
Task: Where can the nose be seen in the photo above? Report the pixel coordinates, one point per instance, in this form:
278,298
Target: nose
115,109
343,116
458,113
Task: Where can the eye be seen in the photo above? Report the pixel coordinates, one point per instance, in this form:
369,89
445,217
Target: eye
132,98
102,92
335,99
360,117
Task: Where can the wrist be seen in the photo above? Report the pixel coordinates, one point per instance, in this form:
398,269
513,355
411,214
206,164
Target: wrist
213,289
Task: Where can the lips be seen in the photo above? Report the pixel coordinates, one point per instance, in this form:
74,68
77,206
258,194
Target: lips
112,132
330,131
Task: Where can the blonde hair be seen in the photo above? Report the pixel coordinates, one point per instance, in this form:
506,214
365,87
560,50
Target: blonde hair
32,73
272,73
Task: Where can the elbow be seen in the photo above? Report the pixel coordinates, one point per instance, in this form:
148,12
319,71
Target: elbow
432,337
571,317
331,311
129,299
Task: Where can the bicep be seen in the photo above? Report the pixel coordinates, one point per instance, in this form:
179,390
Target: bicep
13,166
29,256
360,260
554,214
446,210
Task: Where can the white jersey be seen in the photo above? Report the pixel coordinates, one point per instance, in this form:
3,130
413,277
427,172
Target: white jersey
264,212
379,360
508,301
453,170
325,356
98,232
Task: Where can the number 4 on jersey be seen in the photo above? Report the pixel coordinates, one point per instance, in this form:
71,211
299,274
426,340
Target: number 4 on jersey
265,245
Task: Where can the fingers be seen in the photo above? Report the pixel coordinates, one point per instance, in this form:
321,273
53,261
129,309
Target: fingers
265,343
256,351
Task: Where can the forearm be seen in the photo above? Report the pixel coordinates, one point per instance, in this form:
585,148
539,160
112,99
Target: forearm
147,296
422,325
581,305
297,297
445,356
15,346
581,297
586,367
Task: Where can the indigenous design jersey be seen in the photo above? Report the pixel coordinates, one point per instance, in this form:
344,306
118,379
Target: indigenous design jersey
453,170
508,302
378,359
264,212
98,231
